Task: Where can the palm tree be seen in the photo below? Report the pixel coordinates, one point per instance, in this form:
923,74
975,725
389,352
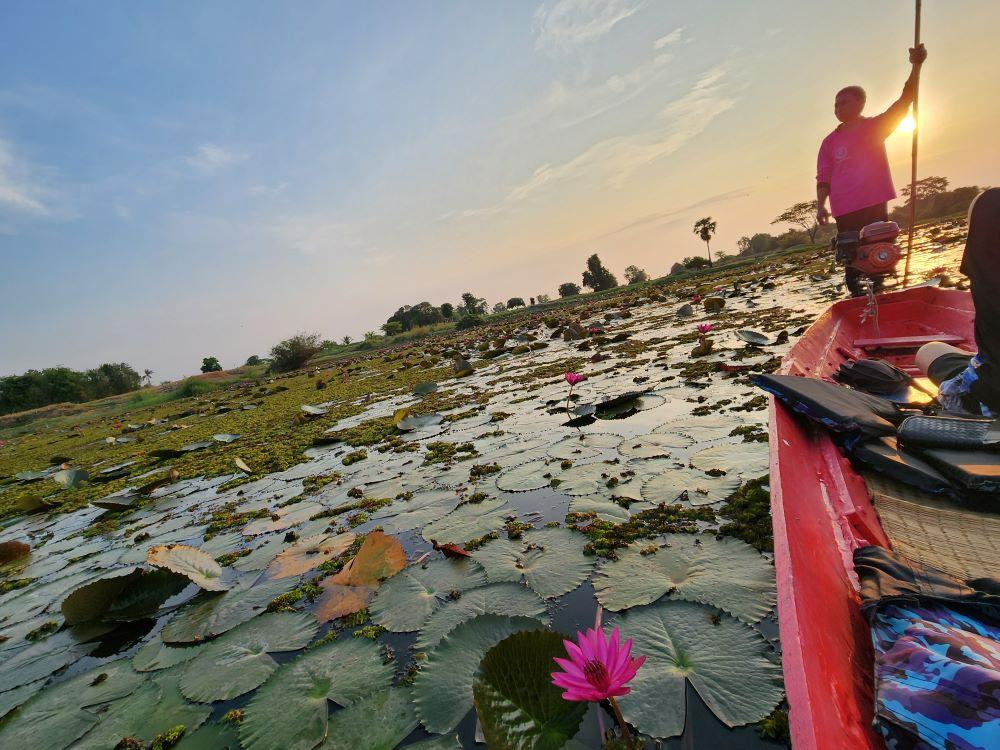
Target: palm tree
147,376
705,228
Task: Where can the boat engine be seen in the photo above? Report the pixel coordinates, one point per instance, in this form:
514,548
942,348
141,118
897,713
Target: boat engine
872,251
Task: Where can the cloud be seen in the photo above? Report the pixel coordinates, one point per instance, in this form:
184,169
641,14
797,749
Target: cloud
17,191
610,162
565,24
211,159
667,39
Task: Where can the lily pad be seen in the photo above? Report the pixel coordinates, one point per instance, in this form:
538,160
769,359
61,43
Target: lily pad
309,553
701,489
527,477
425,388
313,411
211,737
418,422
69,478
654,445
469,521
405,601
123,594
606,510
156,655
215,614
495,598
238,661
753,337
591,479
352,728
725,573
132,717
584,446
289,712
191,562
747,460
727,662
422,508
348,591
57,717
443,688
551,561
516,702
225,437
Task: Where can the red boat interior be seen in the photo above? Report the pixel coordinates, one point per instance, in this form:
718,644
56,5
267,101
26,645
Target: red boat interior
822,511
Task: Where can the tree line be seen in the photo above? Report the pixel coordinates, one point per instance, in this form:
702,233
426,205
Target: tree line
54,385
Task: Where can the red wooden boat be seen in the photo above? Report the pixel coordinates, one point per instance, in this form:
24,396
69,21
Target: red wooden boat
822,511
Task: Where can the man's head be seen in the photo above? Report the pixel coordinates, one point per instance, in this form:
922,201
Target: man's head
849,103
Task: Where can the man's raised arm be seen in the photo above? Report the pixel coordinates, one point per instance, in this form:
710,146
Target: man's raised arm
889,120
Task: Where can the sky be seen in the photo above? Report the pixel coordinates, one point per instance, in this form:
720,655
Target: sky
187,179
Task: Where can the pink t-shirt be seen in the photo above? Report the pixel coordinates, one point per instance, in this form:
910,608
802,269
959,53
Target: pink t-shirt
854,164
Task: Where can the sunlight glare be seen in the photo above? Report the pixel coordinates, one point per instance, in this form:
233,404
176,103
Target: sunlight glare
906,125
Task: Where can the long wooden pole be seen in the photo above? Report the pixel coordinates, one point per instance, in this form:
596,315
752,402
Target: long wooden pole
913,152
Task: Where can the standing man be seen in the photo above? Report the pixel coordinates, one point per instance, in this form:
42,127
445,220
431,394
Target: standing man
853,169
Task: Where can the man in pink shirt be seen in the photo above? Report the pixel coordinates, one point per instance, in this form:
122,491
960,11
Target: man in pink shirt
852,168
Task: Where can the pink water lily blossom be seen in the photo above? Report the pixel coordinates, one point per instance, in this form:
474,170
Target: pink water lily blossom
573,378
596,668
696,298
704,328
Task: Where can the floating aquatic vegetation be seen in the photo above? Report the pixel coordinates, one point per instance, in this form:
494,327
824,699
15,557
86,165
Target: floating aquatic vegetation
443,687
425,506
190,562
516,703
749,460
289,711
238,661
727,662
379,558
405,601
494,598
468,521
528,476
654,445
551,561
725,573
352,727
309,553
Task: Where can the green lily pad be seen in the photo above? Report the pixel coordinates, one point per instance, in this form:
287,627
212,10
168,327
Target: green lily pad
654,445
57,717
724,573
584,446
748,460
123,594
447,742
726,661
443,688
414,422
529,476
211,737
39,660
156,655
213,614
238,661
701,489
132,717
591,479
404,602
516,702
422,508
425,388
606,510
352,728
495,598
289,711
69,478
469,521
550,560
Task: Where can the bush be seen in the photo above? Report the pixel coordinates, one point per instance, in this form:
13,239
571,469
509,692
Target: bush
392,327
193,387
37,388
635,275
447,310
569,289
515,302
252,360
294,352
468,321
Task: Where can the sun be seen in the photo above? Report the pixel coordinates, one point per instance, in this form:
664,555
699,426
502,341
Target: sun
906,125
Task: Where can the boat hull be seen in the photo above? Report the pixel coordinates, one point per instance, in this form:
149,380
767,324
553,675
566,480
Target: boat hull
822,512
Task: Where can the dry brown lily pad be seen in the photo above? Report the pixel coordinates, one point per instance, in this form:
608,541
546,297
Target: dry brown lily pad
12,551
191,562
310,553
347,592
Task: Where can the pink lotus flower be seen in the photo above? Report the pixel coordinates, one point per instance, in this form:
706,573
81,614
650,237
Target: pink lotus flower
696,298
704,328
573,378
596,668
719,288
